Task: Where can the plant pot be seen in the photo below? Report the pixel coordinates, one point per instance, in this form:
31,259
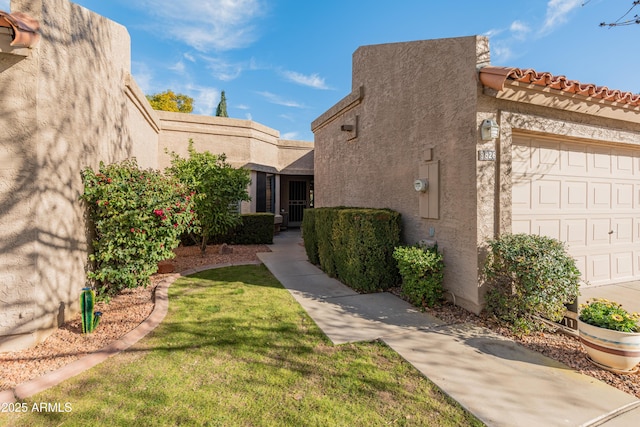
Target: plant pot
612,350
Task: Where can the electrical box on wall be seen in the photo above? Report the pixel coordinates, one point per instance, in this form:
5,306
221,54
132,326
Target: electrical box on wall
430,199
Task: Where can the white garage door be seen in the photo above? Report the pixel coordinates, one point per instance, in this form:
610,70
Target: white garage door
586,195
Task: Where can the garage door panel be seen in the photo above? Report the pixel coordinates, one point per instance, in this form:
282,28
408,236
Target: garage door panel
622,265
546,194
546,157
521,195
600,164
622,230
598,232
575,234
521,226
625,164
576,195
587,195
575,160
548,227
623,196
521,158
600,196
598,268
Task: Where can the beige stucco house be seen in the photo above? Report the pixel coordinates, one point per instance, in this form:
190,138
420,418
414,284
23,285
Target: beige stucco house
68,101
557,157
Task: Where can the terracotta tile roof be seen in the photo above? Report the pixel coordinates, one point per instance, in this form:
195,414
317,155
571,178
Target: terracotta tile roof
24,29
495,78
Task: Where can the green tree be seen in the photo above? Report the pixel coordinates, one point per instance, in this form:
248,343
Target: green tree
170,101
221,111
217,186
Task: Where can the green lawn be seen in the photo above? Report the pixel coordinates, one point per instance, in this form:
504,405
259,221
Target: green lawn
237,350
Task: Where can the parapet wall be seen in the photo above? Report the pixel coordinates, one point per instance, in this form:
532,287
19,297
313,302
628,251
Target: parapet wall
65,104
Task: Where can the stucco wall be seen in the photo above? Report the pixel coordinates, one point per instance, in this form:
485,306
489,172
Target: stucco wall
418,106
65,106
244,142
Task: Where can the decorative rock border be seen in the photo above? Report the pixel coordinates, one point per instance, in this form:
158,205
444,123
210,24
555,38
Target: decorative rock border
160,309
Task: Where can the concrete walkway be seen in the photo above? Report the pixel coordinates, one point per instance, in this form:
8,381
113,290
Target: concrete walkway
500,382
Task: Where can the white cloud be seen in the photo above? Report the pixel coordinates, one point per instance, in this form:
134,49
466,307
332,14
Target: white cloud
206,25
248,116
4,5
223,70
492,32
242,107
557,11
289,135
189,57
275,99
313,80
500,53
519,28
205,99
178,67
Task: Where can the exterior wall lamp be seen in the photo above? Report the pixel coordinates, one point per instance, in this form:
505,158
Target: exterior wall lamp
489,130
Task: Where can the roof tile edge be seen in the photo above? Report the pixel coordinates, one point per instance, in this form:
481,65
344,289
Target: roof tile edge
25,28
495,77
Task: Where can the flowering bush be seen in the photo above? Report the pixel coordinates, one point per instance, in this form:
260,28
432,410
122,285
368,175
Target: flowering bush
137,218
609,315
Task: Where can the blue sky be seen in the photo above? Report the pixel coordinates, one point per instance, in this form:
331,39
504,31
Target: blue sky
283,63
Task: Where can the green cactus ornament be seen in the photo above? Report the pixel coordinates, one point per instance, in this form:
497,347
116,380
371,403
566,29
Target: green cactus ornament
90,319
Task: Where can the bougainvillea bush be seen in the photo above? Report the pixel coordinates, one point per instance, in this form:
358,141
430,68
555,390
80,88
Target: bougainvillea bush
137,217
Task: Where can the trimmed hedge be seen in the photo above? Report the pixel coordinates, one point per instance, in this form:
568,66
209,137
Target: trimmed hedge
254,229
325,217
310,236
355,245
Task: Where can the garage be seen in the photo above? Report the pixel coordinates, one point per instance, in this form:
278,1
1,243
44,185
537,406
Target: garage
585,194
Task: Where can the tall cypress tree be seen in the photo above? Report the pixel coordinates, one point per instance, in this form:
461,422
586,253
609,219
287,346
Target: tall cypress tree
221,111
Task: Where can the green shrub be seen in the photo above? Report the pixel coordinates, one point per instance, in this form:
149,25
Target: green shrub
354,244
137,217
325,217
254,229
363,243
310,236
529,276
422,273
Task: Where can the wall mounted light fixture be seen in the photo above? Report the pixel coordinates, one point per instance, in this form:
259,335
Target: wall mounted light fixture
489,130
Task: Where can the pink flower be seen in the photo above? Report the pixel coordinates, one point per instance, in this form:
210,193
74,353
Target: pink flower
158,212
133,230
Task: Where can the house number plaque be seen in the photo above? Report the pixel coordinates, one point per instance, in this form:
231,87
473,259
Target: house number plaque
487,155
